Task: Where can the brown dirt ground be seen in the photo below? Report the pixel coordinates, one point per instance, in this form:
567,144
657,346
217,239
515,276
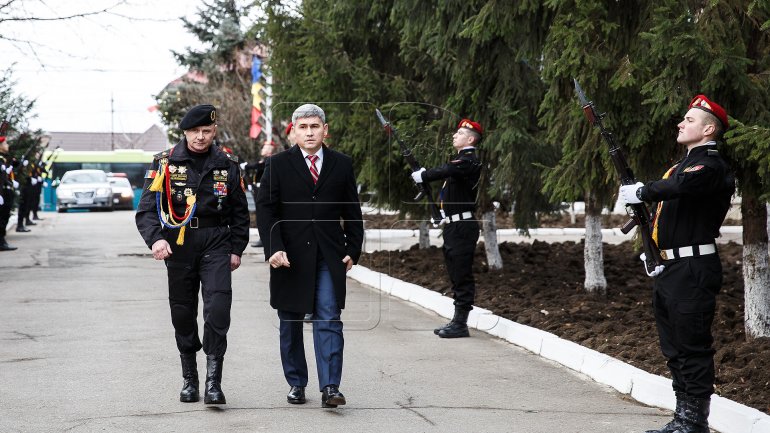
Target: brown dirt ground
541,285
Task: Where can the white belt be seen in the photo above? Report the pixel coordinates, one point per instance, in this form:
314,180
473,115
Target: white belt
458,217
690,251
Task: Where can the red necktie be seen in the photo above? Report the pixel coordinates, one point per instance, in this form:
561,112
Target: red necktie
313,169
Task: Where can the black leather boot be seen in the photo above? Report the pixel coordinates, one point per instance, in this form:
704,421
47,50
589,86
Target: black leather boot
675,424
189,393
458,327
214,394
4,245
695,417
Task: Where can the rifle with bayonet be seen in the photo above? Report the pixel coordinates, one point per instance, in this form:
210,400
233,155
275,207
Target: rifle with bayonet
639,213
423,188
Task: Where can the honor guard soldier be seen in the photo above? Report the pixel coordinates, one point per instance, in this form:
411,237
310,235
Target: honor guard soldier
193,214
692,199
457,200
6,193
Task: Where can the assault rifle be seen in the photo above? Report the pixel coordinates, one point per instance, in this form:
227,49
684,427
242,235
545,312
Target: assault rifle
424,187
640,215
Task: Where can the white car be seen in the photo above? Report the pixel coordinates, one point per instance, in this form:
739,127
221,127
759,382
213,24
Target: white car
122,192
84,189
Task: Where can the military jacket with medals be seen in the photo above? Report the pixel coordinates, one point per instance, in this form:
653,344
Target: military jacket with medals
692,198
218,189
458,193
5,179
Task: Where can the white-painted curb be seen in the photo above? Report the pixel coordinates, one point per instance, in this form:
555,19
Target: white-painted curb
726,416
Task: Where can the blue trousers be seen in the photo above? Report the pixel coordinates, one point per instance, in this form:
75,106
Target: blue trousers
327,337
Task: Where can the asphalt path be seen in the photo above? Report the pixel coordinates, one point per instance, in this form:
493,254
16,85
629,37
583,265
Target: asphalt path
87,346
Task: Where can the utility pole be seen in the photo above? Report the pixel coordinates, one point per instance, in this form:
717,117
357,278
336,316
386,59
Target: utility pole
112,122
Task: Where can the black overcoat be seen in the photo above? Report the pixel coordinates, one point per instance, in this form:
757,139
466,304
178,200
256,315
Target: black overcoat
308,222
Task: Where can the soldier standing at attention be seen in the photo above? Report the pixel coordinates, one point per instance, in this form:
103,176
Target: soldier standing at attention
6,193
193,215
692,199
457,200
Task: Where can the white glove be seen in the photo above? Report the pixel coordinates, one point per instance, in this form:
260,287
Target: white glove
15,184
2,167
250,188
655,272
243,166
9,170
628,195
25,163
2,200
40,179
34,181
417,175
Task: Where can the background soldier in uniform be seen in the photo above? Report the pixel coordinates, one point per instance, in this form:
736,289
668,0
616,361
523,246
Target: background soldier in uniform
6,193
457,200
204,232
692,200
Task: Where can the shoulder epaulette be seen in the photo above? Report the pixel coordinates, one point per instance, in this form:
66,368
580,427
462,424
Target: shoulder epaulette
712,152
231,157
161,155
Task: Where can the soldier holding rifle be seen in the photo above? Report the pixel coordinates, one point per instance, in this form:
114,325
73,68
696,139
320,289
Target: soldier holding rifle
692,199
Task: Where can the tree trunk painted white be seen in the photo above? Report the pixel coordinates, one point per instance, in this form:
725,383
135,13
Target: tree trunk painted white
489,231
595,281
424,235
756,270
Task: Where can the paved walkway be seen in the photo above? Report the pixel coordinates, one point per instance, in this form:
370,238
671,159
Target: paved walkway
87,345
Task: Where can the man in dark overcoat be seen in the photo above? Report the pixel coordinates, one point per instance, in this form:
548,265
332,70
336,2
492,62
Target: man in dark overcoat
309,219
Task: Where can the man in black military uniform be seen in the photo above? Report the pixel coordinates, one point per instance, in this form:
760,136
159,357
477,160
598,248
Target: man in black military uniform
6,193
26,196
457,200
692,198
201,200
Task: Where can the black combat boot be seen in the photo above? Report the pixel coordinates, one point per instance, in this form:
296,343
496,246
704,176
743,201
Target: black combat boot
4,245
458,327
675,424
214,394
695,417
189,393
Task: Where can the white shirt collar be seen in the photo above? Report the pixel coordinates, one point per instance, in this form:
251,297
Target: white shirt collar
319,154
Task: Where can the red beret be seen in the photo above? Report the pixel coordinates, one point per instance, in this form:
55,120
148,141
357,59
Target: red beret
288,128
473,126
2,139
703,103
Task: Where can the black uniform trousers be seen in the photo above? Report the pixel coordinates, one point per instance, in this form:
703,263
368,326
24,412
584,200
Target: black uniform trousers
459,246
26,200
203,262
5,210
684,301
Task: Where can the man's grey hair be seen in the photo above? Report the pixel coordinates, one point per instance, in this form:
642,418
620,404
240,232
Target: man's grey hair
308,110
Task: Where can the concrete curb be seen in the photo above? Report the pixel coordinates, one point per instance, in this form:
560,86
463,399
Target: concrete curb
726,416
569,231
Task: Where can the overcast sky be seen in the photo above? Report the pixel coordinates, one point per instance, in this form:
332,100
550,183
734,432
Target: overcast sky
73,68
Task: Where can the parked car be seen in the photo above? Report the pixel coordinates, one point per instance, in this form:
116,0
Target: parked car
84,189
122,192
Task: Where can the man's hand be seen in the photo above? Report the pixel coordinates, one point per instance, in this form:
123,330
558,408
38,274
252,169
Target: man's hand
2,200
279,259
161,250
33,181
417,175
243,165
348,263
655,272
628,193
235,262
15,184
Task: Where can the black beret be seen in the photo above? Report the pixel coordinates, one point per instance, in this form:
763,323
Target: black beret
199,115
